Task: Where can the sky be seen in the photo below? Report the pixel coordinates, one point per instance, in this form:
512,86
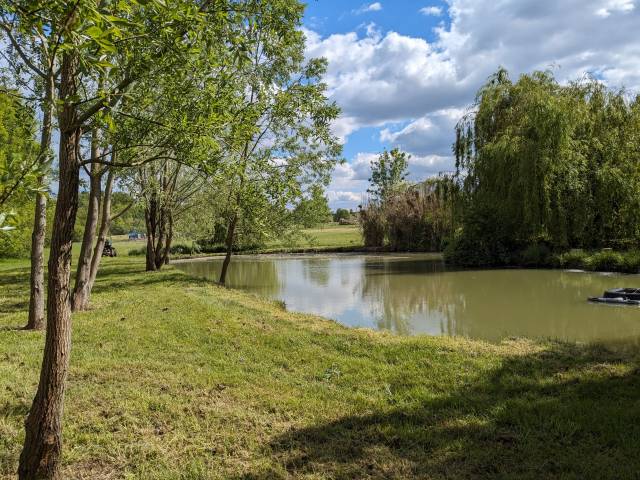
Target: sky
405,71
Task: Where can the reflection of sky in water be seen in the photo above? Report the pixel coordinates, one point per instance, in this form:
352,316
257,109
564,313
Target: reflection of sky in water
413,294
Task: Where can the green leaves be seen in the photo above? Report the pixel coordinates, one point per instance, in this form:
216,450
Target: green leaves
551,163
388,174
6,219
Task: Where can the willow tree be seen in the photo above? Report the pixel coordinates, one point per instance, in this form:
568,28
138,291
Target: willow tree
544,163
282,138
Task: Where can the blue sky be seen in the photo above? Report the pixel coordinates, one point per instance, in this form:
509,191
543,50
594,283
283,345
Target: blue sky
404,71
403,16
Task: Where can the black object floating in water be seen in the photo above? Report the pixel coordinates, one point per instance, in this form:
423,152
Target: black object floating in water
619,296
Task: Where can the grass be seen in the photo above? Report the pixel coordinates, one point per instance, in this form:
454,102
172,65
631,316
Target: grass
331,236
174,378
334,236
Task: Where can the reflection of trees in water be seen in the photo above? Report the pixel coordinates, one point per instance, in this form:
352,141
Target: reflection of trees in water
258,276
537,303
418,296
316,270
404,291
492,304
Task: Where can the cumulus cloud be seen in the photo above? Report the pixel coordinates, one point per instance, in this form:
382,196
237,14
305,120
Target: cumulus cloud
392,77
427,135
372,7
432,11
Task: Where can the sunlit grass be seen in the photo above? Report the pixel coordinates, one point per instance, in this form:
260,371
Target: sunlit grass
326,237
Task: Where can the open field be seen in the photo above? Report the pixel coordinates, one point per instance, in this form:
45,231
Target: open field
330,236
174,378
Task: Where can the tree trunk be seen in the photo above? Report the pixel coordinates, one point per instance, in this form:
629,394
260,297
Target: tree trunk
36,296
105,225
40,457
229,242
169,237
150,221
80,299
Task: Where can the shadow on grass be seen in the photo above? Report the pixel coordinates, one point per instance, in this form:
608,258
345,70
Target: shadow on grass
113,276
567,412
14,285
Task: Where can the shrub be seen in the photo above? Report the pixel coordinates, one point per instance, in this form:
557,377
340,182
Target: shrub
605,261
536,255
184,249
572,259
138,252
372,221
631,261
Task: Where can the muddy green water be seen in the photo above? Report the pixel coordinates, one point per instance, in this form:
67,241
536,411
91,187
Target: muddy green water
416,294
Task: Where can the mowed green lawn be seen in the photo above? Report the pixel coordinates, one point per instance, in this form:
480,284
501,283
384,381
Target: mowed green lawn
333,235
326,237
174,378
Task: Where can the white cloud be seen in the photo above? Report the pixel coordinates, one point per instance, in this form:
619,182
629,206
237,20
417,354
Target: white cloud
615,6
372,7
384,78
378,78
427,135
431,11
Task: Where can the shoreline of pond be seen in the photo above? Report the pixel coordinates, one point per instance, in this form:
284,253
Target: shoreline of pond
604,261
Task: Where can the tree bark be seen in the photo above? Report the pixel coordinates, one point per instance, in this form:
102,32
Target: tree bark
169,237
40,457
229,242
105,225
150,221
80,299
36,319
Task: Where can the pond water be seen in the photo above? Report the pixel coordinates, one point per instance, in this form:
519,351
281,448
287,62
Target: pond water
413,294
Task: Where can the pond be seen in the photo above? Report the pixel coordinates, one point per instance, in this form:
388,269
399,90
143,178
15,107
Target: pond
413,294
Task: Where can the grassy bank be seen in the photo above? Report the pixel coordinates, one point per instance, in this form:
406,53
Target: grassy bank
174,378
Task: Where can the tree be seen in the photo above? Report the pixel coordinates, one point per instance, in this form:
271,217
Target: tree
92,37
341,214
282,138
314,209
30,50
388,173
166,189
18,151
18,172
549,165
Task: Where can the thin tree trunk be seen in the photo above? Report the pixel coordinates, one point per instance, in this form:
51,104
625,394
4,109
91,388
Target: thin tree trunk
36,297
229,242
80,299
36,319
40,457
161,233
105,225
150,221
169,238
